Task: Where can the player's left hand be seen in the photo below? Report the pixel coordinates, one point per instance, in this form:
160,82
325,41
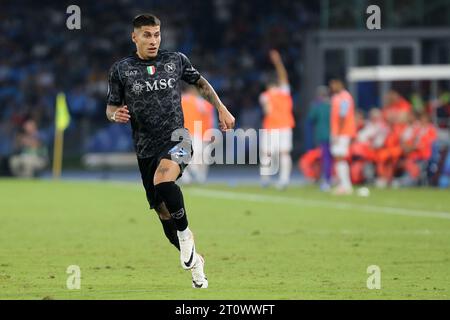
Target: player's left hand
226,119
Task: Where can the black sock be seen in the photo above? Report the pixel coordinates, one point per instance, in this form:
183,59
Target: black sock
171,194
170,231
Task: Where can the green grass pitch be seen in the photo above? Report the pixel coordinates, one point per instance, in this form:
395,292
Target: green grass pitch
258,243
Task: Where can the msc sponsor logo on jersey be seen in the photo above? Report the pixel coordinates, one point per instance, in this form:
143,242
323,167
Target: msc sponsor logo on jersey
153,85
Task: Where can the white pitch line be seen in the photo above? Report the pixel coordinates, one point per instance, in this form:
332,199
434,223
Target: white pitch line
263,198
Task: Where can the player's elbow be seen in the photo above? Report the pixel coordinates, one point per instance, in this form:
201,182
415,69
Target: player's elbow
201,83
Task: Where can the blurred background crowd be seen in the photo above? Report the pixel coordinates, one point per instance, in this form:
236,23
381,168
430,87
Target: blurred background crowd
228,41
395,145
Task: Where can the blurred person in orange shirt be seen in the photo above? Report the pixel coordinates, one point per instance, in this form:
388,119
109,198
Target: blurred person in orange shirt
360,120
403,127
311,164
198,118
276,139
373,134
417,149
369,139
355,162
343,130
395,106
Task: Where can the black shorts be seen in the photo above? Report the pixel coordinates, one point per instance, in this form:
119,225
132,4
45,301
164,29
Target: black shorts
180,152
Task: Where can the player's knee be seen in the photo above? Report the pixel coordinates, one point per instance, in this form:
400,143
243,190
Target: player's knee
166,172
167,189
171,193
161,175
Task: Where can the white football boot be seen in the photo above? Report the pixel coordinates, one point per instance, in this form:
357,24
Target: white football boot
188,256
199,279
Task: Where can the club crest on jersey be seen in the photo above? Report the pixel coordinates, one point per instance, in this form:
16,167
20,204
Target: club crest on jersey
151,70
169,67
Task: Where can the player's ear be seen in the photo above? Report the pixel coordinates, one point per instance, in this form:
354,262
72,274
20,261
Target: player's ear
133,36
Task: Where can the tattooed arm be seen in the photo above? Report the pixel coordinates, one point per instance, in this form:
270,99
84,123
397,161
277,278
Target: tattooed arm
226,119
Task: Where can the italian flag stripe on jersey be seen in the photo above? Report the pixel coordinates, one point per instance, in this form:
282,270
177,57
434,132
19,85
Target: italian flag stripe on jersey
151,70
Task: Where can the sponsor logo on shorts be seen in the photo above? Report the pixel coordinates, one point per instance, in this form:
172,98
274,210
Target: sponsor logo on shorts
178,215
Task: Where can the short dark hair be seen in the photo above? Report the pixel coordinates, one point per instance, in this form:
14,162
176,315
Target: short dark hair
338,80
146,19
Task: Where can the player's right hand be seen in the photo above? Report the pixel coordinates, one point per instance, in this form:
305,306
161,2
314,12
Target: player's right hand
275,56
121,115
226,119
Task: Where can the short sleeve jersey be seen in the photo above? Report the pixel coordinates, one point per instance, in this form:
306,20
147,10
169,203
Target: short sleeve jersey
280,115
151,89
343,106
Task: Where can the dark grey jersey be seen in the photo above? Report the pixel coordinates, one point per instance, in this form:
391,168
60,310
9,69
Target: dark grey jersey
151,90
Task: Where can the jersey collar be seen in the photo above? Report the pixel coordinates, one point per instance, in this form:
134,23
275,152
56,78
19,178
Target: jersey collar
135,55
